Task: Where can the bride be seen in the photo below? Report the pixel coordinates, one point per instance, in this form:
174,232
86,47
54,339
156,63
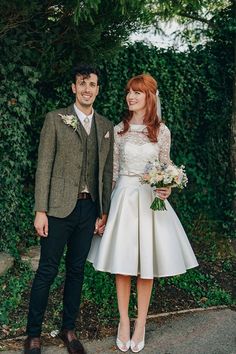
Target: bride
137,240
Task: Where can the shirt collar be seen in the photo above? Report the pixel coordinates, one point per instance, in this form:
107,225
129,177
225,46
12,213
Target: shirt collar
81,115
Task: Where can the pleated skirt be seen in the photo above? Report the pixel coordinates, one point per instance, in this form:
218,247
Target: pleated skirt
138,240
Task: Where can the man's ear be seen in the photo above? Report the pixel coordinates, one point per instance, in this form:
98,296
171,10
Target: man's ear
73,88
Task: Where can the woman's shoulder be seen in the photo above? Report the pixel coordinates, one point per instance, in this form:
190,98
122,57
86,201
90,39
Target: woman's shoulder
119,127
164,129
164,133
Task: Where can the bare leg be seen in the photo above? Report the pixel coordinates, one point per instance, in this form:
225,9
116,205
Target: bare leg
144,287
123,285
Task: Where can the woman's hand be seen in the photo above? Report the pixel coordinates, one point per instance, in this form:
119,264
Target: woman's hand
163,193
100,225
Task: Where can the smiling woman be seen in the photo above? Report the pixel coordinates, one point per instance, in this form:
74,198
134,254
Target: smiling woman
143,105
138,241
136,101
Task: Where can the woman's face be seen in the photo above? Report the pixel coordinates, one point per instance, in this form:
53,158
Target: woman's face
136,100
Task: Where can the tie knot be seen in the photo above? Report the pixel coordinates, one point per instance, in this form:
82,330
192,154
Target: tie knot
86,124
86,120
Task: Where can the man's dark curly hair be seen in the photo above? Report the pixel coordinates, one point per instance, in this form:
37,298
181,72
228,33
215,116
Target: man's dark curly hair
84,70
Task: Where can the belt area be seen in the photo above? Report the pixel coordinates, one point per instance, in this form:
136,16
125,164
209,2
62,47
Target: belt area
84,195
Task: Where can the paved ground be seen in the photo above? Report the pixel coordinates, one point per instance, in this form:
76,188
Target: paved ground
206,332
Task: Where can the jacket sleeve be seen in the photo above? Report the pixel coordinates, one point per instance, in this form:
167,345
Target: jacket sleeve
107,175
46,155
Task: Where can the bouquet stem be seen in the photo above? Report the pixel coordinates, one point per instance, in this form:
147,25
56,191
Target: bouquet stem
158,204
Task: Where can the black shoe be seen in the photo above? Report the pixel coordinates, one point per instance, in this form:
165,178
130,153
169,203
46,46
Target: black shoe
32,345
74,346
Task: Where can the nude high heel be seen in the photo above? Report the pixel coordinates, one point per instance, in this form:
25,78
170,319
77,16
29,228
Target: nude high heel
124,347
137,347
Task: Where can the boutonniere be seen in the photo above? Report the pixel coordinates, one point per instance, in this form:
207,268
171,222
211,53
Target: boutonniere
69,119
107,135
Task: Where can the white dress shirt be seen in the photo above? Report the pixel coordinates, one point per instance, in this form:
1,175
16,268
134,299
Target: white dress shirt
82,116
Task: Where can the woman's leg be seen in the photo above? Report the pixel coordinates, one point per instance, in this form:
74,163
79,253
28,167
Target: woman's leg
123,286
144,288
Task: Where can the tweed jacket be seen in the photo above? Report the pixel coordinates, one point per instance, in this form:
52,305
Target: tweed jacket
60,157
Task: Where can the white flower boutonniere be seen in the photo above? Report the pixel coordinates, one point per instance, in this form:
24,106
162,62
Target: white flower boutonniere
69,119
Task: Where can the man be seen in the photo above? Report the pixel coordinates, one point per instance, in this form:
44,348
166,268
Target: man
72,193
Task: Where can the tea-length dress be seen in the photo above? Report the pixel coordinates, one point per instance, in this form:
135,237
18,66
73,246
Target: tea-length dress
138,240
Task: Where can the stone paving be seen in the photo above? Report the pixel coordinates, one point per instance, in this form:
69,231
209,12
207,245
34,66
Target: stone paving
205,332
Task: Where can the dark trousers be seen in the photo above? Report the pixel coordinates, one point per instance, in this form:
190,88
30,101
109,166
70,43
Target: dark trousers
75,231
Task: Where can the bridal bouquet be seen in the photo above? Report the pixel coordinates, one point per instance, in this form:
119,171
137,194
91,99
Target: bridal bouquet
158,175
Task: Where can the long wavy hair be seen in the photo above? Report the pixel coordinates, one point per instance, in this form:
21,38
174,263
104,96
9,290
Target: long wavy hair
147,84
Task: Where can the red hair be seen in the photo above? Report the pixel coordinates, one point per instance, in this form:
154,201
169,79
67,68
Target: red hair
147,84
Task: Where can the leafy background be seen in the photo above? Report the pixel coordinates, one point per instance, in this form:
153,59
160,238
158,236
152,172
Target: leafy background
195,89
196,95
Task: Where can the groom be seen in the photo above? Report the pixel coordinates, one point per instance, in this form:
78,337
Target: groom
72,194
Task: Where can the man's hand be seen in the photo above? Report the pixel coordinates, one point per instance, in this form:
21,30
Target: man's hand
100,225
41,223
163,193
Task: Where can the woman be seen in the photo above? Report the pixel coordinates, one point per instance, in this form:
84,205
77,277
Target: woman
137,240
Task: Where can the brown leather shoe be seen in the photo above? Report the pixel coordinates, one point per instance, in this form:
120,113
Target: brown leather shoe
74,346
32,345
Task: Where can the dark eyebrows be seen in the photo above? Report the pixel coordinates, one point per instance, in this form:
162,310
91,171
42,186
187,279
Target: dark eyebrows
83,79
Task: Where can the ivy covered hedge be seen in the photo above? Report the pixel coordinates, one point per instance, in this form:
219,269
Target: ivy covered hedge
195,90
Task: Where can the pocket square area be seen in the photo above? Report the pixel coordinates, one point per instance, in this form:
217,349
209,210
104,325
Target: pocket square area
107,135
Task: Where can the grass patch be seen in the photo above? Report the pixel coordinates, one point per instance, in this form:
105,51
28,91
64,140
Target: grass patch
210,284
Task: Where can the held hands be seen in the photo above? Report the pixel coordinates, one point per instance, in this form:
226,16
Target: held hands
163,193
41,223
100,225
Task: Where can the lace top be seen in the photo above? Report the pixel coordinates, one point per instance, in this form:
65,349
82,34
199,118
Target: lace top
133,149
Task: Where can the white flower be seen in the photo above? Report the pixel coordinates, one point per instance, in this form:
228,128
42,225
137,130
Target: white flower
167,179
69,119
172,170
54,333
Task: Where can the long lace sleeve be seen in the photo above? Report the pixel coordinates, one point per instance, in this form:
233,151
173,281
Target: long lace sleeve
164,143
116,156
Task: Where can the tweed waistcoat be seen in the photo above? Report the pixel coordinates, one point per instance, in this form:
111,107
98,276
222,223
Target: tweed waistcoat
89,170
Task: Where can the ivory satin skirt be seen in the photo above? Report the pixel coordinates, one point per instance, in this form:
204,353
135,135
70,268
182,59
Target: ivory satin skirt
138,240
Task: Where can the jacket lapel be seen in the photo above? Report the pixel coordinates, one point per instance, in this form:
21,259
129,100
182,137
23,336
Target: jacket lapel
100,130
71,111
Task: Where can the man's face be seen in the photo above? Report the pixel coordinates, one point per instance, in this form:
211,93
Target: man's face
85,90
